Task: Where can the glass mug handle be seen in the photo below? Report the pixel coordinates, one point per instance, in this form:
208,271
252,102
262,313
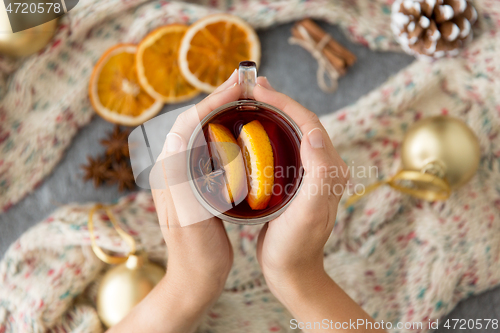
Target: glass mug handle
247,78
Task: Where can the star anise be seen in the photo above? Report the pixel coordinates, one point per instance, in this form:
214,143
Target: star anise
117,144
96,169
121,173
211,177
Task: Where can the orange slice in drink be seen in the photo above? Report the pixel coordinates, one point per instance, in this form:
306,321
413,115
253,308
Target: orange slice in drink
259,161
114,89
224,147
213,47
157,66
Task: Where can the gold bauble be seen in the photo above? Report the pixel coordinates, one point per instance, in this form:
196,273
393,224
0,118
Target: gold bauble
444,146
438,154
26,42
124,286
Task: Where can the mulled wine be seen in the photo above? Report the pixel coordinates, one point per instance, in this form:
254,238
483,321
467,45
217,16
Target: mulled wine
246,161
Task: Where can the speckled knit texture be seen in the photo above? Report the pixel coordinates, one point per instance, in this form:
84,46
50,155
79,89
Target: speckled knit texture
402,259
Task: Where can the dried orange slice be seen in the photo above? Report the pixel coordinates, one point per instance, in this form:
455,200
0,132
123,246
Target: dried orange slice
157,66
224,146
213,47
259,161
114,89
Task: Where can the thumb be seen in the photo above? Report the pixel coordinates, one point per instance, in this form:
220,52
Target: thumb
322,177
317,163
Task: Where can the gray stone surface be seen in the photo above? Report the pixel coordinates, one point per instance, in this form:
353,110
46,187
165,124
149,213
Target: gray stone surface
291,70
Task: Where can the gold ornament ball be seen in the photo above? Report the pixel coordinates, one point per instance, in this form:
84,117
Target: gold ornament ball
442,145
26,42
124,286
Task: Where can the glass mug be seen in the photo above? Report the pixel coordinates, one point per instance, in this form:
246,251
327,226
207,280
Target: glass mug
220,169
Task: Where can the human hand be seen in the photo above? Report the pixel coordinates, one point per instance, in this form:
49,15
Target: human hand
200,254
290,248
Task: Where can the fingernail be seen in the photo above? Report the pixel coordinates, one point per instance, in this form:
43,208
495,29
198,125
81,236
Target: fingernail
315,137
260,85
174,142
231,86
232,75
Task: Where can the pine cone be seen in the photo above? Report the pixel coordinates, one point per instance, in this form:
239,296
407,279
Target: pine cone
433,28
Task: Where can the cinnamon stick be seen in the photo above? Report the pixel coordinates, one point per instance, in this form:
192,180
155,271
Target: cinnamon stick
333,46
336,62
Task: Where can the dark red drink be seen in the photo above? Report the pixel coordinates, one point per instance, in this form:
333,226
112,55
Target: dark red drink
210,176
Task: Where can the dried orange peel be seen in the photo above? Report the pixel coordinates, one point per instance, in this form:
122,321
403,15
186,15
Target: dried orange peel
157,68
224,146
259,162
114,90
213,47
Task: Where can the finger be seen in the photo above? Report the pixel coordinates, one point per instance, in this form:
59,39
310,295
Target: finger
176,192
325,172
172,163
162,198
229,82
317,164
229,94
187,121
260,242
160,190
317,185
262,80
304,118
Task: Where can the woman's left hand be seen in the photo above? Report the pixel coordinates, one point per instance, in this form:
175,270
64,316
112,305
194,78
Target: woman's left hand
199,252
200,255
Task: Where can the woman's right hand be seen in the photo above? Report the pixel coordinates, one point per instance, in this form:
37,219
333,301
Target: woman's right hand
290,248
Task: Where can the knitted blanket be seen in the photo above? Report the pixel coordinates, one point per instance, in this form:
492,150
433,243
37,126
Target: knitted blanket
404,260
